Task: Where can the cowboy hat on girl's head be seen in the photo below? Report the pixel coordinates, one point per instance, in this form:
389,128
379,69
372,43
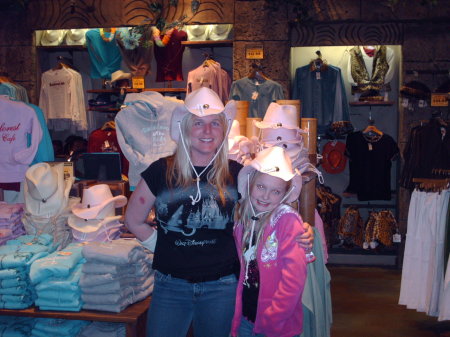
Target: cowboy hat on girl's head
275,162
201,102
95,199
46,193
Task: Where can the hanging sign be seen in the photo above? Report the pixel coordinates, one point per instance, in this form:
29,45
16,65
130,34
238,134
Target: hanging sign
439,99
138,82
254,52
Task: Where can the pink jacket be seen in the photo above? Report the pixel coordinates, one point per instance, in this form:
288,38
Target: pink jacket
282,271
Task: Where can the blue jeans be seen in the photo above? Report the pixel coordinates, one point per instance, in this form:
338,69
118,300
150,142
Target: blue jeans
246,329
176,303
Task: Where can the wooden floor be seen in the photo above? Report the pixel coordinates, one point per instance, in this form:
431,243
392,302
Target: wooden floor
365,305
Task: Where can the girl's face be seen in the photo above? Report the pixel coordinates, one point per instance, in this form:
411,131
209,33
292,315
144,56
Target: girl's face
267,192
206,135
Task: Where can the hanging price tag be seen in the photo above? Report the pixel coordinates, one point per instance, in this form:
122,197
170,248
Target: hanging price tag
421,103
317,75
405,102
370,146
138,82
397,238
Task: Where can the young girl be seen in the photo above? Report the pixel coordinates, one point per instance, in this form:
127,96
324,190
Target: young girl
273,266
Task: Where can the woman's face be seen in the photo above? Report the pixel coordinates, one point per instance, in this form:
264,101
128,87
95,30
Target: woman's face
206,135
267,192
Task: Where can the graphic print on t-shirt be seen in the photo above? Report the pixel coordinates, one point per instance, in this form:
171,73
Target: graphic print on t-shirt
188,218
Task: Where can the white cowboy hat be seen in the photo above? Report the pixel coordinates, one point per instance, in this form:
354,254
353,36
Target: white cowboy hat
89,226
46,193
95,199
201,102
119,75
52,37
197,32
219,31
76,37
275,162
279,116
279,136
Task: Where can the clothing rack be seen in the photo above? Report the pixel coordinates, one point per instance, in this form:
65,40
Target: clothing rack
432,185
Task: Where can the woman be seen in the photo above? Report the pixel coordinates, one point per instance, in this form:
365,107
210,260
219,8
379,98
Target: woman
194,193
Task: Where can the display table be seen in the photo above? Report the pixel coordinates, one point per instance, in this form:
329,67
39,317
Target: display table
134,316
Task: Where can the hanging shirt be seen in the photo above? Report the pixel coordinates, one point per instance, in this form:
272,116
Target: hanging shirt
17,120
104,53
169,59
322,95
370,165
211,76
259,93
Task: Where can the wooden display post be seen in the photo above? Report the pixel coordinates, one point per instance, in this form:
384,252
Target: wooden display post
308,194
251,129
241,115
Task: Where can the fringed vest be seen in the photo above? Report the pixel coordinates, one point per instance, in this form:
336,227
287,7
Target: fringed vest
360,74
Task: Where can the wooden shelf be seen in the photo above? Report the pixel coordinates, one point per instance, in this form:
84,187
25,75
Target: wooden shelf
107,110
134,316
370,103
208,43
61,48
117,90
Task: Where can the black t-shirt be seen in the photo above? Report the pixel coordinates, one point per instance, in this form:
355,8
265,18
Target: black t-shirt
370,165
194,241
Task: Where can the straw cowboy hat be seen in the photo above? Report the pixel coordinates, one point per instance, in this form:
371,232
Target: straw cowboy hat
52,37
120,75
197,32
46,193
95,199
275,162
334,158
219,31
76,37
201,102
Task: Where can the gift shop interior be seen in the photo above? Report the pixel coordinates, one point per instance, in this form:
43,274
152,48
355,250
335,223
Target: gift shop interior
355,92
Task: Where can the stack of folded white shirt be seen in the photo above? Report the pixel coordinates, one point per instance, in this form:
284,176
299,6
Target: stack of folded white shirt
115,275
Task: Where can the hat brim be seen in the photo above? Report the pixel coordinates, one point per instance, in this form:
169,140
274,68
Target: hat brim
89,226
92,212
250,170
265,125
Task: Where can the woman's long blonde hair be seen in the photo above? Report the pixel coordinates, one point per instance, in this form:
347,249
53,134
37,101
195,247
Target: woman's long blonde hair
179,171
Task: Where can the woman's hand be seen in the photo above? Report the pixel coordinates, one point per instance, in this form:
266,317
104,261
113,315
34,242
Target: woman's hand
306,240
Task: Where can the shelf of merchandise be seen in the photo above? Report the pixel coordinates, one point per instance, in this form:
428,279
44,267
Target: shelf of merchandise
62,48
208,43
372,103
134,316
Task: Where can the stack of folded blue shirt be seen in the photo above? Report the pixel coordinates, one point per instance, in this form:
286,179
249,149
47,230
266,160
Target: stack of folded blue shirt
11,225
56,279
115,275
16,257
46,327
16,326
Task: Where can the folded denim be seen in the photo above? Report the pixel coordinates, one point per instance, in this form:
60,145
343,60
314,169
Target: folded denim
116,285
122,251
126,294
119,307
104,329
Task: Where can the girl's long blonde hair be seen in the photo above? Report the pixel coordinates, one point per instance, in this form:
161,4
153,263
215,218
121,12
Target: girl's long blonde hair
243,213
179,172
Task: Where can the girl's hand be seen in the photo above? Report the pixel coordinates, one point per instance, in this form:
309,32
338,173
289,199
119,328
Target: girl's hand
306,240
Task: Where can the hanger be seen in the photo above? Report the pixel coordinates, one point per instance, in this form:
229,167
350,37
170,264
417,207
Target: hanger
257,73
64,62
209,61
371,130
110,125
